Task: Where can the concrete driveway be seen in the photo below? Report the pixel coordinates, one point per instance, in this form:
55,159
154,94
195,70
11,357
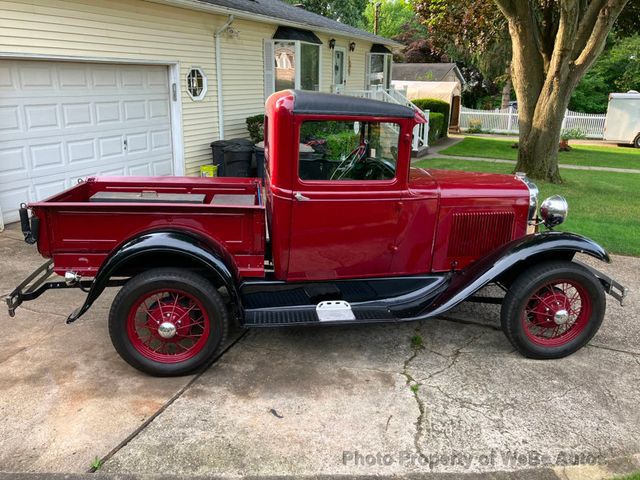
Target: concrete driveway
317,401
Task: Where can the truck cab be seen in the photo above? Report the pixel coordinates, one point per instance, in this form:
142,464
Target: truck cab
342,230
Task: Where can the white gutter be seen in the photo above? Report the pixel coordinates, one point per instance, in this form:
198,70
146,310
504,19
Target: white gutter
216,36
216,9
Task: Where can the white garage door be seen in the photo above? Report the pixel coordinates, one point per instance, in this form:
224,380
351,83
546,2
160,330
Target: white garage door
62,121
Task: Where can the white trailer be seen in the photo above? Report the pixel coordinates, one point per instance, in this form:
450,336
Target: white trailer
622,124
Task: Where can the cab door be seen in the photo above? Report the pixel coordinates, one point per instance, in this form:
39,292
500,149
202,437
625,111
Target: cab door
345,227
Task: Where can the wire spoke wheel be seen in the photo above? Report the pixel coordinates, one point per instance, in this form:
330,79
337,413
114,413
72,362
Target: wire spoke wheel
168,326
557,312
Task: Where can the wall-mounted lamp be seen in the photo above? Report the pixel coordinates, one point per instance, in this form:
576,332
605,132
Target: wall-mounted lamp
332,43
352,46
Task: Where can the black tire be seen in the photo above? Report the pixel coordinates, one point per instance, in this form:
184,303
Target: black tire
194,286
530,282
636,142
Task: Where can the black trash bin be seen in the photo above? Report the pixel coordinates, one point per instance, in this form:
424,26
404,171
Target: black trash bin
312,166
259,154
237,160
217,149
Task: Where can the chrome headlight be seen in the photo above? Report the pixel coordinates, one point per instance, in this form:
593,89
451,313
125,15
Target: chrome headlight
554,210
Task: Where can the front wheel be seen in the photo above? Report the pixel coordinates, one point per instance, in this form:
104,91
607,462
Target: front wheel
167,322
636,142
553,310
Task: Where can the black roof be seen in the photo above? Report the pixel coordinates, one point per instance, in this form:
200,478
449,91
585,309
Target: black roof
278,9
307,102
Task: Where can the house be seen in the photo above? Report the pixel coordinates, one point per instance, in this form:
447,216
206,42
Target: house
443,81
142,87
428,72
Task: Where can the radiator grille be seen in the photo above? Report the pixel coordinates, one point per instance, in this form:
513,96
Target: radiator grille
476,233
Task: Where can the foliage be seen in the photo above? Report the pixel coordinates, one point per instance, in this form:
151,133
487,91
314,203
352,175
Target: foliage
433,105
417,342
395,16
436,126
617,70
340,144
255,126
96,464
345,11
599,203
572,134
475,126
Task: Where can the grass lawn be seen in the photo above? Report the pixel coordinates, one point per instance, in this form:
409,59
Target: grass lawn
604,206
617,157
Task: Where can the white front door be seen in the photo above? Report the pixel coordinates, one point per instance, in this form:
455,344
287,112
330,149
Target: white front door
60,121
339,69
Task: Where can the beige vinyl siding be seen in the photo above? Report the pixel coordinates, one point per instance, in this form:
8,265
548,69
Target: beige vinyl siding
146,32
243,71
130,30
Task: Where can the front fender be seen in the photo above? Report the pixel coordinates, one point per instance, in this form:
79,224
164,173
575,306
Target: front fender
532,248
164,243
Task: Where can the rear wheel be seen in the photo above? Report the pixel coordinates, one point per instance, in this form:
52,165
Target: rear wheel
552,310
168,322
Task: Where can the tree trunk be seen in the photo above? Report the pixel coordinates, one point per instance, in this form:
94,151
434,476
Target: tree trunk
506,90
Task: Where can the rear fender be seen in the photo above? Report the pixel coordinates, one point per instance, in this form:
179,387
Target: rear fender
189,248
510,259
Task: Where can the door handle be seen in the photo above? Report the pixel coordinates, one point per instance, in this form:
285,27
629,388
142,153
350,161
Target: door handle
300,197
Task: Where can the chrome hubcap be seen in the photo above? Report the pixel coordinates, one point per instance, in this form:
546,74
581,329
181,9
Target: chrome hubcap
561,317
167,330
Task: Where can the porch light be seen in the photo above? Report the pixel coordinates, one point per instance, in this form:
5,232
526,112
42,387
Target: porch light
352,46
332,43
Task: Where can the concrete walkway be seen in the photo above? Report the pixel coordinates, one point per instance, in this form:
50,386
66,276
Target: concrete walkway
434,152
317,402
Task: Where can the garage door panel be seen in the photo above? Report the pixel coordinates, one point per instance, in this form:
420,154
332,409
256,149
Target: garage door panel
60,121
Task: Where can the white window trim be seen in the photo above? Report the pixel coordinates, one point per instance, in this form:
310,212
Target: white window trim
205,84
298,53
386,72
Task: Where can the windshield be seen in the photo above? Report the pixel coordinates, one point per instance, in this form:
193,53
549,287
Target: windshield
348,150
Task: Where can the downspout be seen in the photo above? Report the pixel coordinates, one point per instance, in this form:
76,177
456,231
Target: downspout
216,36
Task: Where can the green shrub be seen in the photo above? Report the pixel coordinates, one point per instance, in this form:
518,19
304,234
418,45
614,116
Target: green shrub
255,125
341,144
475,126
434,106
436,126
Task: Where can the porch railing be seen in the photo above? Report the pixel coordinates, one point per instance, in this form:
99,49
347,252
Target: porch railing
391,95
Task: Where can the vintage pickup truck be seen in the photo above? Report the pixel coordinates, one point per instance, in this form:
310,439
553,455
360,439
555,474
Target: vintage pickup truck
343,230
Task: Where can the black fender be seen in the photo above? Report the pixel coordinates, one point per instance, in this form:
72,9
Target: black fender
518,253
193,249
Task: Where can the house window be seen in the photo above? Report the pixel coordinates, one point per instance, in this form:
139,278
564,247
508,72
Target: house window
379,70
196,84
296,65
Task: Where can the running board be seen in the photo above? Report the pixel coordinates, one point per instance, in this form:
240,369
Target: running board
321,314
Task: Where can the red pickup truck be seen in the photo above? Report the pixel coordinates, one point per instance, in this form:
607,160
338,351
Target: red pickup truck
343,230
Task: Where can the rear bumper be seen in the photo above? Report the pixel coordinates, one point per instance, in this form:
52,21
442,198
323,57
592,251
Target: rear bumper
610,286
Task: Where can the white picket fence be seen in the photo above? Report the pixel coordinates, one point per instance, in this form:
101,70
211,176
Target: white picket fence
506,121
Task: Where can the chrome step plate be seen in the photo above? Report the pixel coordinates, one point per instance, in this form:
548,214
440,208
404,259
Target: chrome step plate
334,311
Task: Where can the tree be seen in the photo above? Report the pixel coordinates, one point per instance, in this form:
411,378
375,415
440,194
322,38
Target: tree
395,16
345,11
554,43
616,71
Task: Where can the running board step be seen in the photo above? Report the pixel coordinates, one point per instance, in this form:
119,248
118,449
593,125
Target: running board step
308,315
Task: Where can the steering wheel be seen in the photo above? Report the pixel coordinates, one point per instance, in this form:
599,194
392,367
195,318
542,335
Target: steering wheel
349,161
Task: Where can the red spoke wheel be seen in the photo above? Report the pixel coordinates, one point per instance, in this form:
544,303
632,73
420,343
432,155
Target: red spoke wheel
167,322
553,309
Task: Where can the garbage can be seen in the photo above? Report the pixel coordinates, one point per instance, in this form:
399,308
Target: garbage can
237,160
259,154
312,166
217,149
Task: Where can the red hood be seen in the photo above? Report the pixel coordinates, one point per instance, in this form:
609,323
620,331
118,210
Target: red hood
454,183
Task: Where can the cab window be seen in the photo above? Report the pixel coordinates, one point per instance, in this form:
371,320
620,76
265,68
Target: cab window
348,150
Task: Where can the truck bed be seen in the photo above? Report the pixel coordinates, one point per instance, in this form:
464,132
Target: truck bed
82,225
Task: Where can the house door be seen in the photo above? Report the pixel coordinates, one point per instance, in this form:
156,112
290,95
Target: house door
339,69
